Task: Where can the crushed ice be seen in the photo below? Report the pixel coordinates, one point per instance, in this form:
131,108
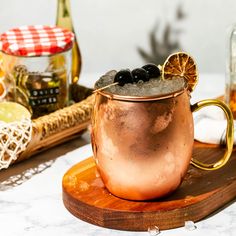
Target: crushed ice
152,87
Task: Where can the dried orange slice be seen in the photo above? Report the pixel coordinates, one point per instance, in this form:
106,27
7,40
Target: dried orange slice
2,89
183,65
1,71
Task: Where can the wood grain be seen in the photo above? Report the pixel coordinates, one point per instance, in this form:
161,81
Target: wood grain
200,194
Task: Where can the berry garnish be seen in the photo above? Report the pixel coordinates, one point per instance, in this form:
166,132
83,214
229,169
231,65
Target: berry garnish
123,77
152,70
139,74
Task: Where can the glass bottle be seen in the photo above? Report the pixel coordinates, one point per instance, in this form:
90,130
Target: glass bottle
230,88
64,20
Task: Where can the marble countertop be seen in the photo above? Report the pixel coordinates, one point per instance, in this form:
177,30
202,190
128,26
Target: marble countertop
31,192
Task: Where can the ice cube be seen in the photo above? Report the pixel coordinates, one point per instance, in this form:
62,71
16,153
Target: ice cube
189,225
153,231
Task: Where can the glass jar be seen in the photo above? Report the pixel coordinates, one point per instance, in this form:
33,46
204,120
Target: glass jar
38,69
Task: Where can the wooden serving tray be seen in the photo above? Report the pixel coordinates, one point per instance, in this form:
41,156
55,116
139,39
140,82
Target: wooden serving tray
200,194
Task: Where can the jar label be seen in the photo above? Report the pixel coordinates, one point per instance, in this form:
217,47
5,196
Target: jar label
43,96
40,92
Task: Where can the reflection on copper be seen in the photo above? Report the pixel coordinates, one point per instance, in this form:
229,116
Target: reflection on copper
142,145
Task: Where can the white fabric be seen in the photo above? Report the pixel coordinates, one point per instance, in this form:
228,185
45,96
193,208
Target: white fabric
210,126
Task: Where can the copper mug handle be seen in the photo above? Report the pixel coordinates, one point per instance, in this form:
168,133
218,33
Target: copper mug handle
229,134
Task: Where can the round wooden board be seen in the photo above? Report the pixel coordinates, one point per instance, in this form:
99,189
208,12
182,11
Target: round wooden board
201,193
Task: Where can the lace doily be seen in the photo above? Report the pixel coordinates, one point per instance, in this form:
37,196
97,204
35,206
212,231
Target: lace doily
14,138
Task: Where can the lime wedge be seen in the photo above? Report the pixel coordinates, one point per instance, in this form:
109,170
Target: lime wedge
12,111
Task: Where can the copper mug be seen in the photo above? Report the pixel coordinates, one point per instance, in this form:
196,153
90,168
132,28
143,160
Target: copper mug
143,145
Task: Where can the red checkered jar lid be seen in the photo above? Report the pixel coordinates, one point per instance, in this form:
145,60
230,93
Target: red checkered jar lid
36,40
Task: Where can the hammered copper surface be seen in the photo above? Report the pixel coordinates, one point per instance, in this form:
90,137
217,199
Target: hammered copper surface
142,148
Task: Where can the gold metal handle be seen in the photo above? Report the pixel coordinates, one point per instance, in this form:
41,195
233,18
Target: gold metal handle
229,134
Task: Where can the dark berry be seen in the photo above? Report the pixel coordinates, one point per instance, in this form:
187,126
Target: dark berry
152,70
139,74
123,77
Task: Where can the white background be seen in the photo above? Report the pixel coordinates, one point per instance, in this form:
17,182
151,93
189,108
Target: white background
109,31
